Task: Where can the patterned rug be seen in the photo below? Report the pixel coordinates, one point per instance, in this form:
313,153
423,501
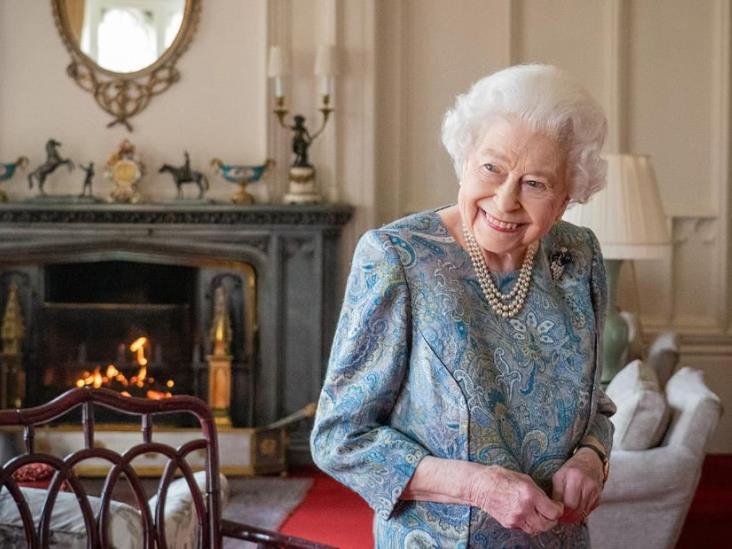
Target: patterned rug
263,501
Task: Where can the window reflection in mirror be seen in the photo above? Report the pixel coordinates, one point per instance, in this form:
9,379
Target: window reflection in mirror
124,35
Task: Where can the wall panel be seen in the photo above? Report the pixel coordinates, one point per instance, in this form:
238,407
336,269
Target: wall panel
566,33
445,50
670,96
696,289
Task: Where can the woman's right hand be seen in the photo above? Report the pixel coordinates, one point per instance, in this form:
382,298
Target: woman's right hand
513,499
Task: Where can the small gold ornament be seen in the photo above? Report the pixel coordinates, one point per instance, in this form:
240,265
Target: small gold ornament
125,169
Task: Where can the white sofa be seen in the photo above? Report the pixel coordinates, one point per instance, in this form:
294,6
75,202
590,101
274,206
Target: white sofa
648,493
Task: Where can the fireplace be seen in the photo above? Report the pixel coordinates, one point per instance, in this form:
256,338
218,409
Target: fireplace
106,321
91,280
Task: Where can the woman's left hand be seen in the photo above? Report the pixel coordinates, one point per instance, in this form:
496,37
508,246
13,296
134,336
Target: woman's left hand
578,485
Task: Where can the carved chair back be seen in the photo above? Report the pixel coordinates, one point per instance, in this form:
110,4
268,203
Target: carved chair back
211,527
206,505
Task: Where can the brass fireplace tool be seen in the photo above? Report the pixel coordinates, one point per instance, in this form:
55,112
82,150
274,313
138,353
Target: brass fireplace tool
12,375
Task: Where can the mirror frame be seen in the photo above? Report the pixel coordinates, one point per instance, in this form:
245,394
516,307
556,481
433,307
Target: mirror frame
123,95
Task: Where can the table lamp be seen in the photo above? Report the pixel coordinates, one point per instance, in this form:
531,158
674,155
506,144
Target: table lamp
627,217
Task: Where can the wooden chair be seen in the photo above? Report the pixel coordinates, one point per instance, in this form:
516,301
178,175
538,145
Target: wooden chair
212,528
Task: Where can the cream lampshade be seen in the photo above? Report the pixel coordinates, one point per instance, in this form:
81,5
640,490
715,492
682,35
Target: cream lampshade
627,217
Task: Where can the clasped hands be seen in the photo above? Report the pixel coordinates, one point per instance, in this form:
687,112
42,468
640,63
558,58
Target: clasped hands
515,501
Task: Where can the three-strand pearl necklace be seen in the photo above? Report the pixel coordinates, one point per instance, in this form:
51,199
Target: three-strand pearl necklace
505,305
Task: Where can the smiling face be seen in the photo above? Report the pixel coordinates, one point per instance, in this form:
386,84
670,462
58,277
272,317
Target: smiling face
512,191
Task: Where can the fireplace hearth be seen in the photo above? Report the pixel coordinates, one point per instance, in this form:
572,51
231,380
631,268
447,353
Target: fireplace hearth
92,279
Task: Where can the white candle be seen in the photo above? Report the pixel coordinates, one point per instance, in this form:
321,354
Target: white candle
326,85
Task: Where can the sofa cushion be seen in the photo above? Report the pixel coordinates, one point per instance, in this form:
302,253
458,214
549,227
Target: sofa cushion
642,412
67,528
663,356
181,522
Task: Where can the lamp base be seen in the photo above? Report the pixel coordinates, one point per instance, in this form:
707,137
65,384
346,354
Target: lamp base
615,333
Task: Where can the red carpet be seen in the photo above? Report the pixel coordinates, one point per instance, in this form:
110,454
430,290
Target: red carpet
331,514
709,522
334,515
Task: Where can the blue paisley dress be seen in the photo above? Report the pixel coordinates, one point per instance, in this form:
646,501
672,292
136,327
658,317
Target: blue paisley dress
421,365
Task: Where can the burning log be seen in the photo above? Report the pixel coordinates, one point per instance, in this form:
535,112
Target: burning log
139,385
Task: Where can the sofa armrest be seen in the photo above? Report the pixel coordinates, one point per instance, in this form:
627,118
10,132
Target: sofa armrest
697,411
651,474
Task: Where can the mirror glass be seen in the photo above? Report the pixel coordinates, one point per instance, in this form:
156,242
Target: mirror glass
124,36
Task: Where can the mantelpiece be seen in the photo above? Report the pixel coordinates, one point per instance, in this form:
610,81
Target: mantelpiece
291,250
332,216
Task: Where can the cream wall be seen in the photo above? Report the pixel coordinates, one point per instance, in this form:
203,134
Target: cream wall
661,69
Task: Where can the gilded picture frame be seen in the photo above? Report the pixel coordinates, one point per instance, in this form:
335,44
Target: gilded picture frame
124,95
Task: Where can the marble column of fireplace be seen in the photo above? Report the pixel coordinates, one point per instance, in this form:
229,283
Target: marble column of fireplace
291,249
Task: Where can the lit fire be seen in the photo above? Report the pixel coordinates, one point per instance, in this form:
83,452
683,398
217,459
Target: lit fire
113,378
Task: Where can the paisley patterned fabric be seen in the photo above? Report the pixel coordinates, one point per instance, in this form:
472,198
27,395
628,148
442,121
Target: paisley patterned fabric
421,365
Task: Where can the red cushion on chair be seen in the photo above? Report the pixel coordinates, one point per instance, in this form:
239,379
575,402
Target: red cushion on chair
36,475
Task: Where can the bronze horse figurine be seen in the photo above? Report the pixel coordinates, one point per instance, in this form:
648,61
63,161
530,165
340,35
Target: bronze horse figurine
184,174
53,161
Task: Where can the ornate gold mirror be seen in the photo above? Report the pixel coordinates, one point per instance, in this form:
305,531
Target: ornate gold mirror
124,52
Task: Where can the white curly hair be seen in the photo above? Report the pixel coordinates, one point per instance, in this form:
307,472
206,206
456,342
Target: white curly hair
549,100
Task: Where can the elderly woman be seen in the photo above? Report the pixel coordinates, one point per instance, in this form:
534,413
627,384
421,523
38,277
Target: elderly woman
462,399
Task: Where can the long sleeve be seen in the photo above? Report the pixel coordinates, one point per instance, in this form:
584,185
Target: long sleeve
351,438
601,427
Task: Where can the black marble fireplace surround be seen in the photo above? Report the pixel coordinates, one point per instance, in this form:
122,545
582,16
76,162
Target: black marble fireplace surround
286,256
